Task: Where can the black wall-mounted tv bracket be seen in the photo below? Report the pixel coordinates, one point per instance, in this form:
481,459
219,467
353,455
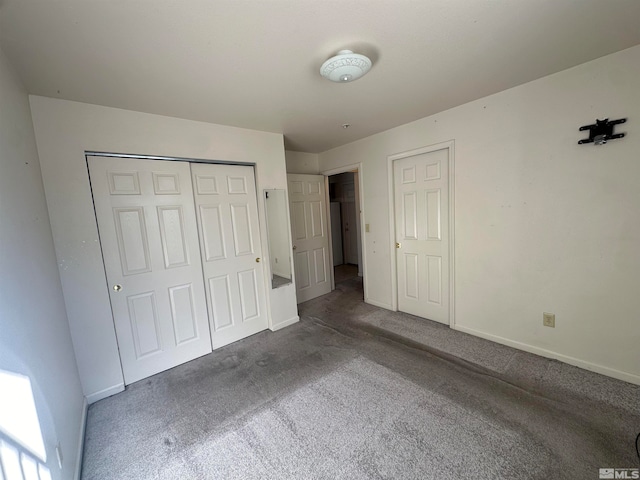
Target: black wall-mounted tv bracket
602,131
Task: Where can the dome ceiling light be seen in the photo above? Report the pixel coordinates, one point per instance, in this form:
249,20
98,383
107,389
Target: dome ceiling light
345,67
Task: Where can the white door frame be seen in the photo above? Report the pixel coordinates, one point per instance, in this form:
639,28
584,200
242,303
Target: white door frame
392,222
336,171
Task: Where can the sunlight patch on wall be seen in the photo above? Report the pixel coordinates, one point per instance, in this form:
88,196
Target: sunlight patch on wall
22,452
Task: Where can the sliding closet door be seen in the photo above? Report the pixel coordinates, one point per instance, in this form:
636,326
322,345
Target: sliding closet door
226,206
149,240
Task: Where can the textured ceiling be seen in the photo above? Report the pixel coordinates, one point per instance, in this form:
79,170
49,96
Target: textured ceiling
254,63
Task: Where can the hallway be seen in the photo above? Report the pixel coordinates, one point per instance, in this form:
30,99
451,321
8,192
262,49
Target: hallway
345,272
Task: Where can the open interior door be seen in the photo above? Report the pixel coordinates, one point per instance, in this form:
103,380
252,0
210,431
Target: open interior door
310,236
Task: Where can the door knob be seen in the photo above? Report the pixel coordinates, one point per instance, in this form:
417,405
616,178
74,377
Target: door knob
398,245
294,247
117,288
258,260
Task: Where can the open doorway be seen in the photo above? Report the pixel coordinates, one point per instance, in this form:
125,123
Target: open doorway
327,238
344,213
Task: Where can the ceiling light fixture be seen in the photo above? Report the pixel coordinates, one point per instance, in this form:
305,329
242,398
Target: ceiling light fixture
345,67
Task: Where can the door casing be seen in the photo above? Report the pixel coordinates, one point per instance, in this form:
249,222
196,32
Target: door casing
450,145
336,171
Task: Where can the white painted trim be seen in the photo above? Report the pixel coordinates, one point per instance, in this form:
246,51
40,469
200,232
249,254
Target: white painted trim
80,453
363,233
335,171
344,169
286,323
107,392
452,235
290,236
593,367
449,145
160,157
375,303
392,235
332,270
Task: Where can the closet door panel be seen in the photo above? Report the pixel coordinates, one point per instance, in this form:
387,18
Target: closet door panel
226,202
149,238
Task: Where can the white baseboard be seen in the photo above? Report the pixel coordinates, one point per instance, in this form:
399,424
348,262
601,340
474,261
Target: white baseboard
375,303
286,323
83,426
593,367
107,392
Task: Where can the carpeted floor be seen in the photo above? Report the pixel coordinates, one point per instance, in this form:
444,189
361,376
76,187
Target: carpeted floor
357,392
344,272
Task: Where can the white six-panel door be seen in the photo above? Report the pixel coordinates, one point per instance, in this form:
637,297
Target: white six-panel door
421,193
310,236
149,239
226,205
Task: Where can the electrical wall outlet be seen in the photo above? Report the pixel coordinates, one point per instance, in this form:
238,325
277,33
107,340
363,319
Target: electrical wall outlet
549,320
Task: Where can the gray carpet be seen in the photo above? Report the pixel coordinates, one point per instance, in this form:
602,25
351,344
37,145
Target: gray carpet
357,392
344,272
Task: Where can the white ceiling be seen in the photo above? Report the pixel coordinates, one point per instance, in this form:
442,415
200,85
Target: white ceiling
254,63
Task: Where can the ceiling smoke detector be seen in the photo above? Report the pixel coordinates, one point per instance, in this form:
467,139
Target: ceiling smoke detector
345,67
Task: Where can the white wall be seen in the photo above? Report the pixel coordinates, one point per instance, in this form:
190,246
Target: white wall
541,223
64,131
34,333
300,162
